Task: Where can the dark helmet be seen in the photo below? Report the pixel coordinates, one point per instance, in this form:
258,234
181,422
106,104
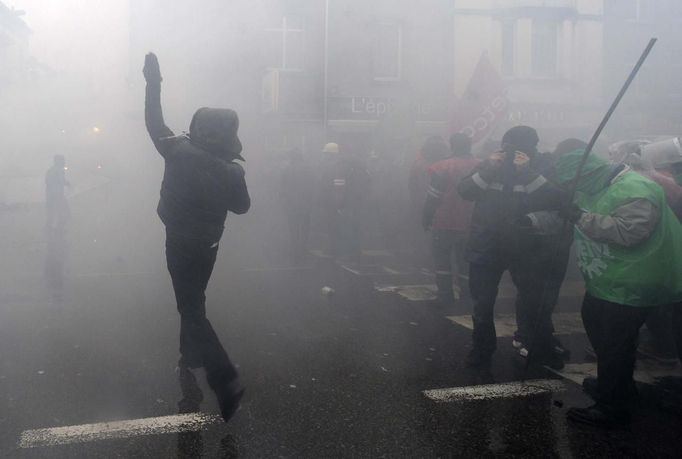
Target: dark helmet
521,138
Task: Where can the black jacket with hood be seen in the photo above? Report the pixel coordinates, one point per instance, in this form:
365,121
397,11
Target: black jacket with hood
201,183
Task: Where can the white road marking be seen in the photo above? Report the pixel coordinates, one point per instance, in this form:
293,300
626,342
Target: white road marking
129,274
275,269
423,292
377,253
512,389
53,436
363,270
647,371
565,323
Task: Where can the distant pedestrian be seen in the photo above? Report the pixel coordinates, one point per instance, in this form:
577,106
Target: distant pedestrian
57,206
343,190
448,216
298,194
201,183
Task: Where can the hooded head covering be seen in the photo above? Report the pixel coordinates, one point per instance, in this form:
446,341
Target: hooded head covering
567,146
215,130
594,177
521,138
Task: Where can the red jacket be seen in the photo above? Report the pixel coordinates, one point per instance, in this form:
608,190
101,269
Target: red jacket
453,213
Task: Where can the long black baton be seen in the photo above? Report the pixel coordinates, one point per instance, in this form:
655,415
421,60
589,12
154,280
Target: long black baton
576,179
612,108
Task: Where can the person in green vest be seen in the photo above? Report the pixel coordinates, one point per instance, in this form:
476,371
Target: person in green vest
629,250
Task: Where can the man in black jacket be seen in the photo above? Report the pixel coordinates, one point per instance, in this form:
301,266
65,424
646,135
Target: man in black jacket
201,183
507,187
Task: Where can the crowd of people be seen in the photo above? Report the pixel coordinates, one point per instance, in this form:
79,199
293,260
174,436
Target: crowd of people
514,210
529,209
520,211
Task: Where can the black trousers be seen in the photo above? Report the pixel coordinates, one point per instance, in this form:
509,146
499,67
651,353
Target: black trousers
548,271
190,263
446,245
526,272
613,330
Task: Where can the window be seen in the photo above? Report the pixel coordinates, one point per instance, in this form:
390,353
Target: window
544,48
508,43
285,46
387,53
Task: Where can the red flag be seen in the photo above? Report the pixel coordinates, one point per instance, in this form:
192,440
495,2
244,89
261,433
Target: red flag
483,104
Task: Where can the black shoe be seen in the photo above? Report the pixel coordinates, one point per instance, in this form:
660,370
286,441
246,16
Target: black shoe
598,416
477,359
229,399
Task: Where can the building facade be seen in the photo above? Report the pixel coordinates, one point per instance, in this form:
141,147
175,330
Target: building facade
652,106
549,54
301,73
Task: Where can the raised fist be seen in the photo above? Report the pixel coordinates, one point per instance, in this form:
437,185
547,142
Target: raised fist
151,71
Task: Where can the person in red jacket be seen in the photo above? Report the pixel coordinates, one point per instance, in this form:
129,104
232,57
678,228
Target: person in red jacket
448,216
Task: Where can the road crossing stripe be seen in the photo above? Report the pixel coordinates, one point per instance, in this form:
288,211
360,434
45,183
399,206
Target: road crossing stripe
118,274
425,292
53,436
512,389
565,323
647,371
281,268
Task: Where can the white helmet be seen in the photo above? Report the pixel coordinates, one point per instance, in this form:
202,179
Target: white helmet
331,147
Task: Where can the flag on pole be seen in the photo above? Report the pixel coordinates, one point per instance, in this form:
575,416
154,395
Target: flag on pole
483,104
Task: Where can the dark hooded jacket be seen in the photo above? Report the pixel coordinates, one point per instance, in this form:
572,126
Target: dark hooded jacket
201,181
503,197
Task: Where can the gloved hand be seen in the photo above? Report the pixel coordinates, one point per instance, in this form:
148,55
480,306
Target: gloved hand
151,71
571,213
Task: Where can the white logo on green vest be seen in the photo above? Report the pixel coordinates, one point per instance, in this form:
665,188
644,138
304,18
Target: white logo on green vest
592,257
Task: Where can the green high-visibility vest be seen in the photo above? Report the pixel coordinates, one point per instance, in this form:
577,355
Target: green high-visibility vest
648,274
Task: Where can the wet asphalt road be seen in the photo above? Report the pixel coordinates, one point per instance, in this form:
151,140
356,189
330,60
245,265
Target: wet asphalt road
338,376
